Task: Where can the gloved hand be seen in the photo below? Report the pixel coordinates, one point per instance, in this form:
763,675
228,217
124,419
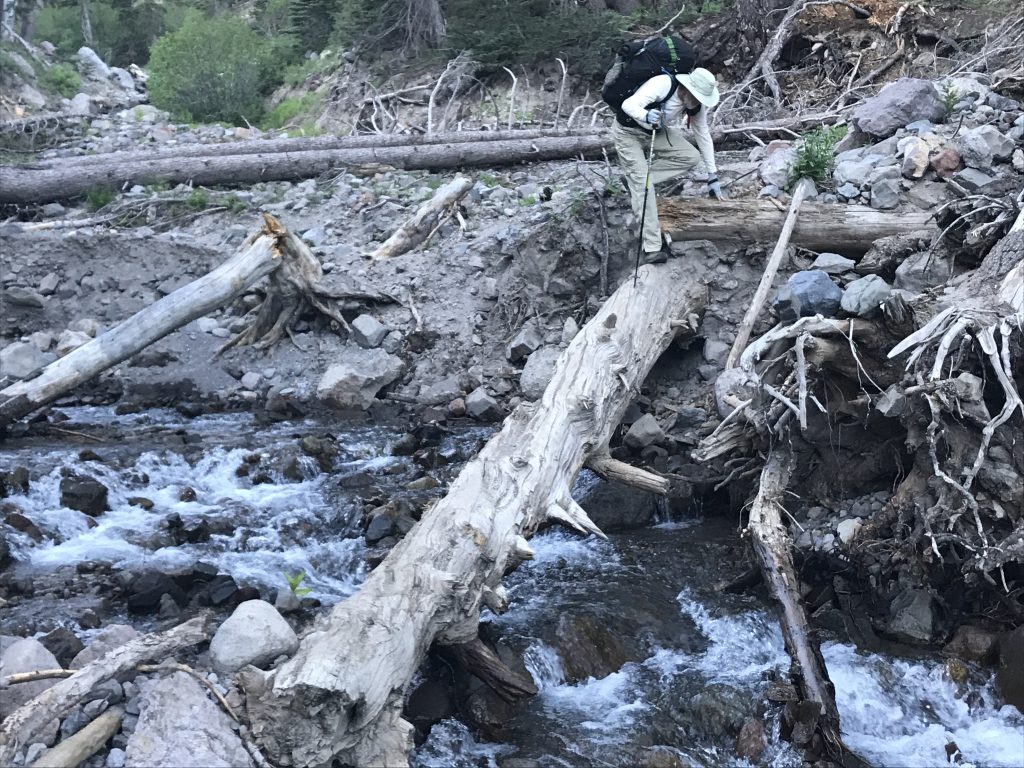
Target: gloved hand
714,188
653,118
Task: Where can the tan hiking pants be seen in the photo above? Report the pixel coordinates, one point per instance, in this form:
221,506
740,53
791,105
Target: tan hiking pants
673,156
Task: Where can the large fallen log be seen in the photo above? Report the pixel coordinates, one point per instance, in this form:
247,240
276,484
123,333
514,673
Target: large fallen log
24,725
340,697
25,184
261,255
846,229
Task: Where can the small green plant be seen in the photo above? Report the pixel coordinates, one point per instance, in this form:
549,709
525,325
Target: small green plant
814,156
62,79
950,96
528,200
157,187
235,204
98,197
288,109
294,580
488,180
199,200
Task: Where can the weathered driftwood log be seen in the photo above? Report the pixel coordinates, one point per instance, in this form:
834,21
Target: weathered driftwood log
846,229
258,257
308,144
80,746
25,184
23,726
421,224
768,278
340,697
815,713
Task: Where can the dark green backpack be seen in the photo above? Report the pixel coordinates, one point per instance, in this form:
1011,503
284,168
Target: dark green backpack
637,62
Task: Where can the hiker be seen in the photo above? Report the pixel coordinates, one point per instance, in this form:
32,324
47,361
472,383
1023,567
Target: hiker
658,102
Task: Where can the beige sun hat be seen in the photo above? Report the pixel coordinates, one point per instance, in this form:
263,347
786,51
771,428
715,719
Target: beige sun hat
702,85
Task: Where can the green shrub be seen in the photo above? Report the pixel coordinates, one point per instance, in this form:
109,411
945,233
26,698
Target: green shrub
950,96
814,156
210,70
199,200
62,26
288,109
62,79
98,197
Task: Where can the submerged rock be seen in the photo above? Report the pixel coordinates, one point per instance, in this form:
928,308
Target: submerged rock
84,493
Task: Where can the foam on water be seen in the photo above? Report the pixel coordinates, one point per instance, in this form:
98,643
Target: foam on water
899,712
451,745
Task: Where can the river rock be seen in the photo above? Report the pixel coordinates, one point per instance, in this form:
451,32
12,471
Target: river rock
368,332
84,493
20,359
1010,675
863,296
539,368
481,406
19,522
180,726
146,588
972,179
806,294
528,339
617,507
946,162
847,529
914,616
440,392
897,104
69,341
25,655
63,644
109,638
779,157
885,194
355,382
91,62
980,146
20,296
921,271
972,643
752,740
255,633
643,432
833,263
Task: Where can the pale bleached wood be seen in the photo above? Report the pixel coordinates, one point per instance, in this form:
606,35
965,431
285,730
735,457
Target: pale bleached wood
845,229
416,228
340,697
80,746
621,472
24,726
768,278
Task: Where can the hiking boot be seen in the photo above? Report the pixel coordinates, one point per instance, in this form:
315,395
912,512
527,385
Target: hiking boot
655,257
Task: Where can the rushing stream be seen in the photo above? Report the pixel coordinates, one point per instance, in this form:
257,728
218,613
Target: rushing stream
635,652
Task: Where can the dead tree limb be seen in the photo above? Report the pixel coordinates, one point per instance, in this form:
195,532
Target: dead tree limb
262,254
415,229
23,726
815,712
768,278
621,472
846,229
80,746
340,697
478,659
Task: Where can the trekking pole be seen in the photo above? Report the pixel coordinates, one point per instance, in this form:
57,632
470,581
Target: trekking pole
643,215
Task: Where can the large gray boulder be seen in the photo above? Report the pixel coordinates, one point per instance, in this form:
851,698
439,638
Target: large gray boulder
91,62
537,372
368,332
25,655
806,294
897,104
915,616
775,167
355,382
885,194
863,296
980,146
21,358
921,271
481,406
643,432
179,725
254,634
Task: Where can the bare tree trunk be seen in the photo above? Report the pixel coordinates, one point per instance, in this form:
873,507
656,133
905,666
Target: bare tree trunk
83,6
27,185
23,726
7,17
273,247
847,229
425,25
340,697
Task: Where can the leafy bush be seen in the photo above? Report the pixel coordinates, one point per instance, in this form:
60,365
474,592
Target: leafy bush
513,32
62,79
62,26
950,96
814,157
288,109
98,197
210,70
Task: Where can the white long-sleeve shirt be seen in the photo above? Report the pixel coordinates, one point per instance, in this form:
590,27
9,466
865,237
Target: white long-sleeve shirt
653,92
